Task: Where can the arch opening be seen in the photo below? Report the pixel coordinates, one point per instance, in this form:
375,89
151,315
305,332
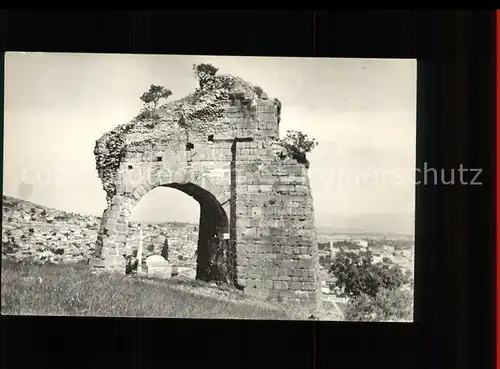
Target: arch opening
215,258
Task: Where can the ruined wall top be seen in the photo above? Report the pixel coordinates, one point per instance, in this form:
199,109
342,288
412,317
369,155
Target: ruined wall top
212,109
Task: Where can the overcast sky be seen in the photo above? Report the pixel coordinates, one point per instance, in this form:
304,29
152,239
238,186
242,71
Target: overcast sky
362,112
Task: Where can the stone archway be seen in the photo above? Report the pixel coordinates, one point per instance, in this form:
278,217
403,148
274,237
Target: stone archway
216,256
216,253
232,165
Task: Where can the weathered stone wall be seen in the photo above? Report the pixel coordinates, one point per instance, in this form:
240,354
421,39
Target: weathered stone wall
235,164
277,249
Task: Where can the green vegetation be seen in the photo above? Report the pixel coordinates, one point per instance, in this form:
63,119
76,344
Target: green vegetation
205,105
205,73
164,250
387,305
325,261
35,289
356,274
198,111
346,244
258,91
151,99
375,290
109,153
297,145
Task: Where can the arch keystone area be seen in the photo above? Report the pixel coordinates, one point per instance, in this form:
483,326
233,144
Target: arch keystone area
224,155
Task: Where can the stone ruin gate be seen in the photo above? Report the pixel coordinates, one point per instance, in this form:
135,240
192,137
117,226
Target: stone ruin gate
256,226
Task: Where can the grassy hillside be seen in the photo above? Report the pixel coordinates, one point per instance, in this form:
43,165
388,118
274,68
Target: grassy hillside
47,289
54,245
44,272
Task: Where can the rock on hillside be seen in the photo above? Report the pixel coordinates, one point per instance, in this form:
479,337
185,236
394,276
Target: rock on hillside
32,231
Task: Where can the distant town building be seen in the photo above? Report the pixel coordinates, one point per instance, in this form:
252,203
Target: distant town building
361,243
388,248
333,252
407,254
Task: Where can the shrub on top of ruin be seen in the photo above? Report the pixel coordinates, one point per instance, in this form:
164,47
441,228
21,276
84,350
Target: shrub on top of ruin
258,91
150,100
297,145
204,73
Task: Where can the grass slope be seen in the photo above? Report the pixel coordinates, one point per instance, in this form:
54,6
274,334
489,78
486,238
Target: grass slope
29,288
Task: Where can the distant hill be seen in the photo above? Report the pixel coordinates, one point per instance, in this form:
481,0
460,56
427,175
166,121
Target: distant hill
366,224
32,231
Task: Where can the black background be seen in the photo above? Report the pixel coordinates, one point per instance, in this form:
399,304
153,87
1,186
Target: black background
455,260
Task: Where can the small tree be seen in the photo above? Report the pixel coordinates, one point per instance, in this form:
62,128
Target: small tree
258,91
204,73
164,250
356,274
297,145
151,99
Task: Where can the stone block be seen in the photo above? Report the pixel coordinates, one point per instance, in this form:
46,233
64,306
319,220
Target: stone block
253,188
155,260
121,238
264,232
250,233
283,273
110,262
289,264
157,266
266,188
250,283
163,272
254,271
